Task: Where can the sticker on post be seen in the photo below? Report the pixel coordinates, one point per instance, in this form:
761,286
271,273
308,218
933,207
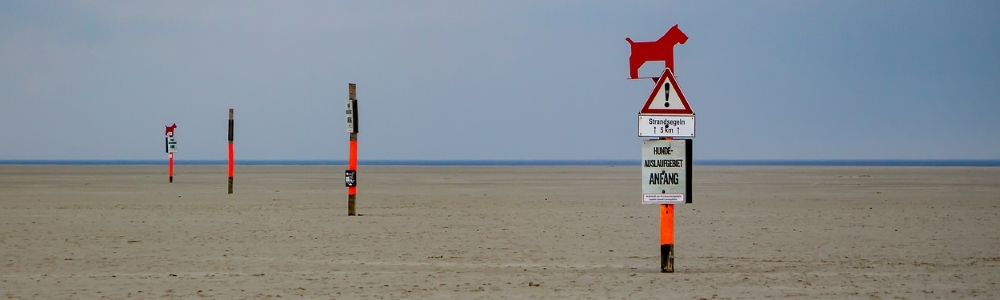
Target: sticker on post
663,199
350,178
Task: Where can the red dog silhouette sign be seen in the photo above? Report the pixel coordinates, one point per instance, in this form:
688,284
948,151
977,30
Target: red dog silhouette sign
658,50
170,130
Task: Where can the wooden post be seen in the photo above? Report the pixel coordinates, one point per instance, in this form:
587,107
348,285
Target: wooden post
352,164
667,235
230,150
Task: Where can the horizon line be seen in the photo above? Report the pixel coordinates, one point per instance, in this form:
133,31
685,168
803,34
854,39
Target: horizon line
516,162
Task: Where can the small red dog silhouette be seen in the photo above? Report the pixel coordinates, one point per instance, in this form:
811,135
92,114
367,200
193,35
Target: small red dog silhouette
170,130
661,49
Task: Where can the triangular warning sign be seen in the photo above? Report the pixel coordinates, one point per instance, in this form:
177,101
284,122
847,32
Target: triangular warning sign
666,97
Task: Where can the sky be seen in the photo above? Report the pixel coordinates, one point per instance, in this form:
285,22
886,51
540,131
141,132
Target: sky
495,80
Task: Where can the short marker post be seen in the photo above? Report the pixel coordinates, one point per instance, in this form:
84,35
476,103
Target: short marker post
230,150
350,176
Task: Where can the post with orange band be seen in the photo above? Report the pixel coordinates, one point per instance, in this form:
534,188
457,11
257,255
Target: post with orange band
351,174
667,235
231,162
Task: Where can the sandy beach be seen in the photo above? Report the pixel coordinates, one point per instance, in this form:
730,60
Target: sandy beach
566,232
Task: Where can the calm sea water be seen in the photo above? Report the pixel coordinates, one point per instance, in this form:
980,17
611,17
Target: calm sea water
618,162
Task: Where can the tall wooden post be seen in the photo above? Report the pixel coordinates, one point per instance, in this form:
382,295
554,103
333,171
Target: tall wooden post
667,235
352,165
230,150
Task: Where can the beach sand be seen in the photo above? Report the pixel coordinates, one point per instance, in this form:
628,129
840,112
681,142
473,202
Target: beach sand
565,232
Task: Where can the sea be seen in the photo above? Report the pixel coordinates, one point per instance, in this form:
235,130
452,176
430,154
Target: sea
592,162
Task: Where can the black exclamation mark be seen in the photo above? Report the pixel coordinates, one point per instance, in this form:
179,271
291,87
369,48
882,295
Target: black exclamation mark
666,94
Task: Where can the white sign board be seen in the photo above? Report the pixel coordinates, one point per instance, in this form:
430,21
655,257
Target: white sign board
666,126
666,171
171,144
352,116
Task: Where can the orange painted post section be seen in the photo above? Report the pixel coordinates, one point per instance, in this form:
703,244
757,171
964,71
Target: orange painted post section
231,162
352,164
171,168
667,238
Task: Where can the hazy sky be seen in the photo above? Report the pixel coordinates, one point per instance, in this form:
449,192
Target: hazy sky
496,79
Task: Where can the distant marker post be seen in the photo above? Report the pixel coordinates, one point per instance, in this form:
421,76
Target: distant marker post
351,174
231,151
171,147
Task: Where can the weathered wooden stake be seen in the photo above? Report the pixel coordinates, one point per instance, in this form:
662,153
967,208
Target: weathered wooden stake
230,150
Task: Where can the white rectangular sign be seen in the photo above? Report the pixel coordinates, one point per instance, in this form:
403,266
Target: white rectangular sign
666,171
666,126
352,116
171,145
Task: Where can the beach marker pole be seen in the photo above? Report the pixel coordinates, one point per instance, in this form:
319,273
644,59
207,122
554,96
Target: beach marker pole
350,176
230,150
